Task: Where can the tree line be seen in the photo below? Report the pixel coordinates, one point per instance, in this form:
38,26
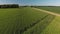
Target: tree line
9,6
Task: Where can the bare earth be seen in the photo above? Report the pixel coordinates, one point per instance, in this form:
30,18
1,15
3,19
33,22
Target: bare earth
47,12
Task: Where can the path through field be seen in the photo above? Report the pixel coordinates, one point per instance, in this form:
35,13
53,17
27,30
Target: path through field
47,11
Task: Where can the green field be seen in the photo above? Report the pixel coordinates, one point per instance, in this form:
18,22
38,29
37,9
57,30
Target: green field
55,9
53,27
28,21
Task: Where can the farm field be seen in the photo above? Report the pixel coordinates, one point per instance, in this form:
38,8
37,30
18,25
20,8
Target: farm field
55,9
28,21
16,21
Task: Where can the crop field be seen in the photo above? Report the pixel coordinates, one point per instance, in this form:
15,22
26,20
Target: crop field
28,21
17,21
55,9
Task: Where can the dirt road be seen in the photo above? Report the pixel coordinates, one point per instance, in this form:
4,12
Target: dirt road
49,12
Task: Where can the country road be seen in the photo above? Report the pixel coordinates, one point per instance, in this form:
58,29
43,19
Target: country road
49,12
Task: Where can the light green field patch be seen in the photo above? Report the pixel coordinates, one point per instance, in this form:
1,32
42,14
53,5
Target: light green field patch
53,27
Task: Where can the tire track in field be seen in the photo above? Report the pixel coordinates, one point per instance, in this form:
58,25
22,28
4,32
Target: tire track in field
49,12
32,25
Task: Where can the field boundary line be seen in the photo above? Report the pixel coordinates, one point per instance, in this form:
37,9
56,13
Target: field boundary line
49,12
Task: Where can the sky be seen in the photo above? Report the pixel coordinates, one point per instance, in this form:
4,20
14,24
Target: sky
9,1
40,2
32,2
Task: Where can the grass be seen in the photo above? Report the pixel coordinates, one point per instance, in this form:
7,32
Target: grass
28,21
53,27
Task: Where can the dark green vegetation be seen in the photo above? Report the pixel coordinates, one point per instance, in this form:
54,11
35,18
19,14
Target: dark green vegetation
55,9
9,6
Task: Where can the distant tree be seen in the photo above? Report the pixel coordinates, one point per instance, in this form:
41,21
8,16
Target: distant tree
9,6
